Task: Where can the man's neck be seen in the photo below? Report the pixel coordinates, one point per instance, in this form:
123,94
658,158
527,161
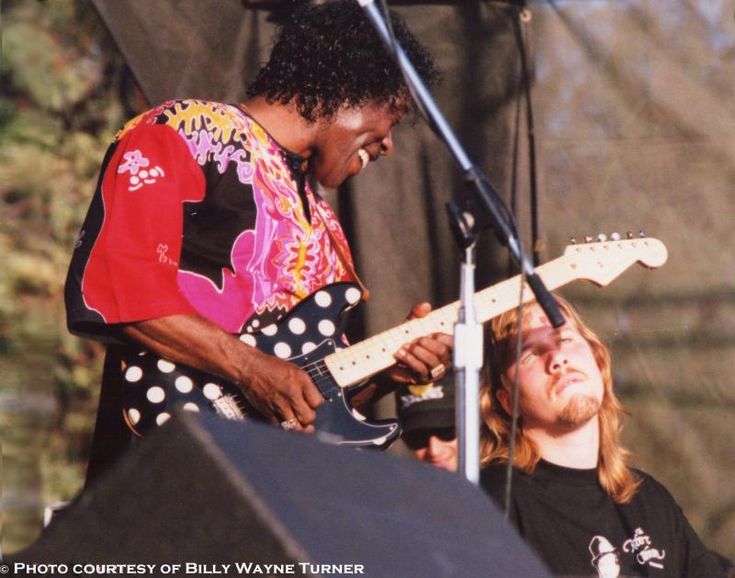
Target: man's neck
284,123
573,448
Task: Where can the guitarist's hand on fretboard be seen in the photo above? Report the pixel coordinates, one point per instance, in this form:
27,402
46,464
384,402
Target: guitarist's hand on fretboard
425,359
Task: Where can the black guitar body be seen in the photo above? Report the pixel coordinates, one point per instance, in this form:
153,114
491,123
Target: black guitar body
305,336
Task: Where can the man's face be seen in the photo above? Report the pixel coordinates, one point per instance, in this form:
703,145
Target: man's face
561,386
350,140
439,450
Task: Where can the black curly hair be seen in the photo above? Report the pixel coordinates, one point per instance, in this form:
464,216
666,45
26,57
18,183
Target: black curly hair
329,55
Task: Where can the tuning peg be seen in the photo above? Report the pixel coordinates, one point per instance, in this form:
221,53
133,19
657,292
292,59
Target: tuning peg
615,236
602,237
641,233
588,239
629,234
573,240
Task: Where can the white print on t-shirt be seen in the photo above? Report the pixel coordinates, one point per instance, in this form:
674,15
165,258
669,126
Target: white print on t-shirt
135,164
604,557
640,544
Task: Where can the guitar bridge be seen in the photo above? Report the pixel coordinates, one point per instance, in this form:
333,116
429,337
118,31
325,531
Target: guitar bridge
227,407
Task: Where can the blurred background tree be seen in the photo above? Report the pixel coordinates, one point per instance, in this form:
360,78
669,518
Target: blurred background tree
65,91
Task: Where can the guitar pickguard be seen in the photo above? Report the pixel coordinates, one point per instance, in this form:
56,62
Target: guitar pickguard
308,333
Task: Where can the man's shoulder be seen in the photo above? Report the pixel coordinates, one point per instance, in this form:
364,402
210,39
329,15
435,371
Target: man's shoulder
188,115
651,489
494,472
493,479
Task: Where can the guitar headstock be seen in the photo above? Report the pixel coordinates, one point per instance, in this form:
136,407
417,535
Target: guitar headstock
601,260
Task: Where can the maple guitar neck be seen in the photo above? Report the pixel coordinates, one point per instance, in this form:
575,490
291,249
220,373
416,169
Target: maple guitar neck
599,263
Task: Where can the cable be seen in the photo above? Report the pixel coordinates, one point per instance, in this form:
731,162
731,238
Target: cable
524,16
525,86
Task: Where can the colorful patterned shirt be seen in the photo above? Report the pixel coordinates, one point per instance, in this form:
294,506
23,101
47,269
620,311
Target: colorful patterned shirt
198,211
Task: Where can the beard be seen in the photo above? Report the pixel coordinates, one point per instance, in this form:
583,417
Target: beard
578,410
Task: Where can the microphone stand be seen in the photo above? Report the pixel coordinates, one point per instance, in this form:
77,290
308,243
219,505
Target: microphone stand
479,211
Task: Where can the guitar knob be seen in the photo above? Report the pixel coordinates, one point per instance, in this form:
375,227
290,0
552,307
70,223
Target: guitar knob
573,240
629,234
602,237
615,236
641,233
588,239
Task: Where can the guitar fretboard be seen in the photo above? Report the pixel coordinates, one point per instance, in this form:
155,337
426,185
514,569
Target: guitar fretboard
597,262
358,362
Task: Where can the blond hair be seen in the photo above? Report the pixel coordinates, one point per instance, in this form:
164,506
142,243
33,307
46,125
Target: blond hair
615,475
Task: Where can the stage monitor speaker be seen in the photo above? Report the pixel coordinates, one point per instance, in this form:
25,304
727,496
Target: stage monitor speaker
205,492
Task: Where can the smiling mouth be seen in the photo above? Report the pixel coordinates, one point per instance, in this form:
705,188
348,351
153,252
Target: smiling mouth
364,157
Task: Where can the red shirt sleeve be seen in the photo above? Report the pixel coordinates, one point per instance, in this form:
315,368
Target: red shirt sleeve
132,270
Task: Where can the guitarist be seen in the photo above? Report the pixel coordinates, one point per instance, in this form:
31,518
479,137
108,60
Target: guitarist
204,220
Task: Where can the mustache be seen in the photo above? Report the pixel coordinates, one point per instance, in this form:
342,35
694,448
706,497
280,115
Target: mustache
570,375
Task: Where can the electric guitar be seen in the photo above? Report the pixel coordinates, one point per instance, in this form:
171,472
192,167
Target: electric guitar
311,336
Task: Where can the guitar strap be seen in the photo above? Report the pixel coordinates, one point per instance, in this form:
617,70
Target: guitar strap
346,261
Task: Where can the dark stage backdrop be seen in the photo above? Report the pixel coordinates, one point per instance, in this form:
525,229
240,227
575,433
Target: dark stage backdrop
635,129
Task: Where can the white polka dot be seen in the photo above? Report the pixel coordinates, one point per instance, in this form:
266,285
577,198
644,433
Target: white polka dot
143,174
191,407
133,374
133,415
165,366
212,391
255,324
297,326
248,339
134,180
326,327
308,347
323,299
184,384
155,394
282,350
162,418
270,330
353,295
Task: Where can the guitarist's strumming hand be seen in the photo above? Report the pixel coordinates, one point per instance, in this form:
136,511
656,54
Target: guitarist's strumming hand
425,359
281,391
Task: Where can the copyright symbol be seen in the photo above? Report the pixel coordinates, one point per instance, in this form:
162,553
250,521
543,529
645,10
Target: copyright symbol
4,568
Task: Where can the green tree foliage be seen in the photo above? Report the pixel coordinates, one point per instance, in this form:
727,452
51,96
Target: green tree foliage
65,91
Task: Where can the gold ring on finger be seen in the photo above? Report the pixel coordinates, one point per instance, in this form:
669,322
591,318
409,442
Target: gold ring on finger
438,371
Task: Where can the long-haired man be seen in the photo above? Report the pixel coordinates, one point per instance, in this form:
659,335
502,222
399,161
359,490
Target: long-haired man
574,496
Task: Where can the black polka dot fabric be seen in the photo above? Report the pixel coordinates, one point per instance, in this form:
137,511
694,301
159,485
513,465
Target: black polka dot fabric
311,331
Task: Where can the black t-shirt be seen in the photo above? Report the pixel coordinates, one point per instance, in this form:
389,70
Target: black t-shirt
577,530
